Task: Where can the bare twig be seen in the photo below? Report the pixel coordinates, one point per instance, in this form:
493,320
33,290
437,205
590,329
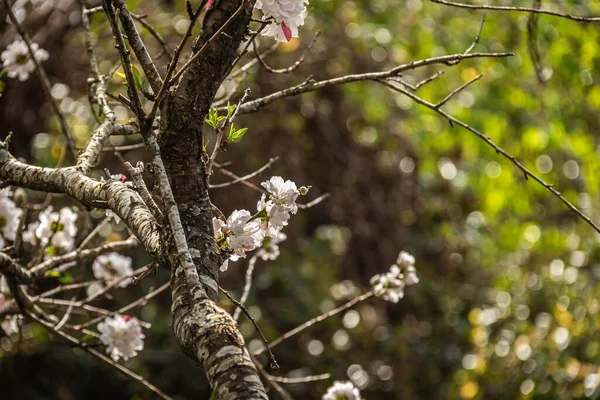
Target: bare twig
138,46
139,302
527,173
311,85
68,135
165,47
314,202
174,60
125,371
457,90
517,9
134,97
247,286
472,46
315,320
142,189
221,133
209,42
272,362
292,67
304,379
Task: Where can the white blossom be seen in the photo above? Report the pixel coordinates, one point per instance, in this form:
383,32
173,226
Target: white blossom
219,228
17,61
113,266
390,286
275,219
56,228
10,325
288,16
342,391
405,259
283,193
270,248
10,215
122,335
4,286
244,235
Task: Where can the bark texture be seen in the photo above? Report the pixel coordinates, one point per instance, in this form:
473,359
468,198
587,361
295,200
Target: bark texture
186,245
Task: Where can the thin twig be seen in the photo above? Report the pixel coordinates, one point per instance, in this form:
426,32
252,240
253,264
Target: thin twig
292,67
527,173
125,371
314,202
457,90
221,133
209,42
310,85
174,60
165,47
272,362
65,317
304,379
315,320
139,302
247,286
138,46
517,9
476,37
68,135
246,177
134,97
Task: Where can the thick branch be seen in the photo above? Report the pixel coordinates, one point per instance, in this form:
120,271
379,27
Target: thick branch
120,198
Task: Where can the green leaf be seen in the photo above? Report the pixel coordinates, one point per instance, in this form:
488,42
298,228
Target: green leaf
204,144
66,278
52,274
122,75
213,118
236,134
2,86
137,77
230,110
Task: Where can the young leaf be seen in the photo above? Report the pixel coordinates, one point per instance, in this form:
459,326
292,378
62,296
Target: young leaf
236,134
212,118
137,77
230,110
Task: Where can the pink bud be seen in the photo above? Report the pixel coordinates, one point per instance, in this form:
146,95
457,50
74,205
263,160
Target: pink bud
123,178
286,31
126,318
208,4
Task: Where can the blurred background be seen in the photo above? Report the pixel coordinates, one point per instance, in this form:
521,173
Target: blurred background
507,306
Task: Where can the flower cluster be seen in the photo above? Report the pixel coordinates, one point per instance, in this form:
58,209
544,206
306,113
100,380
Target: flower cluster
390,286
288,16
122,335
112,267
57,229
244,232
17,61
10,215
342,391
